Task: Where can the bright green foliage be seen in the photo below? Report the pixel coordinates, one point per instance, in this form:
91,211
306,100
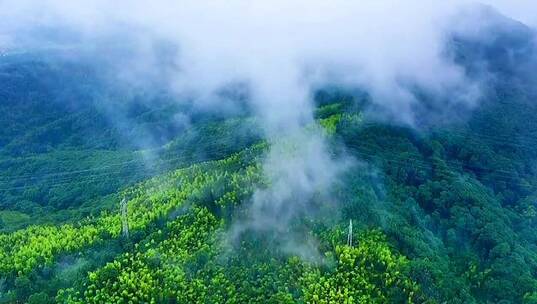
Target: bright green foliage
330,123
182,265
328,110
154,272
368,273
24,249
150,201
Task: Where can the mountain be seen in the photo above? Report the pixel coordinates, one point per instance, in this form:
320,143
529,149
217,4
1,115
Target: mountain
124,194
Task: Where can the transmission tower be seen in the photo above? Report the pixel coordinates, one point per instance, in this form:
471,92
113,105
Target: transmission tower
349,237
124,218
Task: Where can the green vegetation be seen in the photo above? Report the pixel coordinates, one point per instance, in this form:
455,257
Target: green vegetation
181,256
153,200
432,225
367,273
442,213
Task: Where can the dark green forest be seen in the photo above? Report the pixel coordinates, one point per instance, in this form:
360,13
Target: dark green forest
443,211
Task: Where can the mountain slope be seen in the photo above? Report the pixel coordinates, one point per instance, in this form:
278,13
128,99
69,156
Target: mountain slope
440,212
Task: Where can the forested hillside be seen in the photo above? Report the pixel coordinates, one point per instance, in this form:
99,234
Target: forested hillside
117,193
75,151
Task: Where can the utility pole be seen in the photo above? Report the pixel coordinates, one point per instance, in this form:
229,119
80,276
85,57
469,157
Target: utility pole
124,218
349,237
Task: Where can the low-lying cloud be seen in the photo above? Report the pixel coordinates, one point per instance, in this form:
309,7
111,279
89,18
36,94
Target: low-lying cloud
281,49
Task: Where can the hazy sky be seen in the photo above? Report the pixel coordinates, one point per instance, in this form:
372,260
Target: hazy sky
521,10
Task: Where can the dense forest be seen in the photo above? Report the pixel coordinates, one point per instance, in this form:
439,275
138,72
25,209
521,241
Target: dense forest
118,194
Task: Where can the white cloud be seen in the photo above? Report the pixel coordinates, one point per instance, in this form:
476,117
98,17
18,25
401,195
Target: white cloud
271,44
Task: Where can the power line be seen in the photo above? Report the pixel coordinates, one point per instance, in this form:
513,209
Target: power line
64,177
89,178
361,149
68,172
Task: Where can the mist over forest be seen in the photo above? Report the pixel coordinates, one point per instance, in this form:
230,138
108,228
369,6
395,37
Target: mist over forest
268,152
